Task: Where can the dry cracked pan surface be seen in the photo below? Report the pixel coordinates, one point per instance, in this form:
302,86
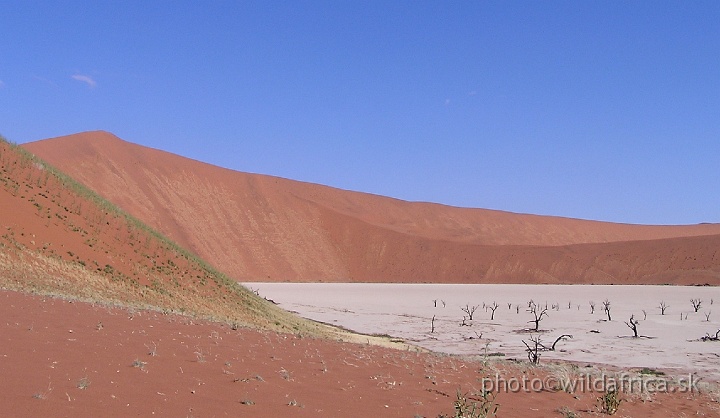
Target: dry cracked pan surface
60,358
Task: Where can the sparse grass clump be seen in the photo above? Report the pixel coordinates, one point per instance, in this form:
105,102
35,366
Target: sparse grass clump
567,412
83,383
651,372
200,355
466,405
609,402
285,374
139,364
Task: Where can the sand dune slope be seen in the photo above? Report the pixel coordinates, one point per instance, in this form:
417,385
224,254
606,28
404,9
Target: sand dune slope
257,227
58,238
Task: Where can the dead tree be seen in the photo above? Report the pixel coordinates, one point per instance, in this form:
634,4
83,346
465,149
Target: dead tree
533,351
509,305
663,306
538,315
708,337
493,307
432,324
606,308
592,307
696,304
463,323
562,337
633,325
707,316
470,310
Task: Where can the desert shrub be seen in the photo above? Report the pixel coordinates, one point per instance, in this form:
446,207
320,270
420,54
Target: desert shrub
609,402
467,406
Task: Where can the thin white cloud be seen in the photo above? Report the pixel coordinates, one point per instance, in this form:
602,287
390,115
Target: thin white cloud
2,84
85,79
447,102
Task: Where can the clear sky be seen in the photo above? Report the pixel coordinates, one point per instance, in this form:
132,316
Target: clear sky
587,109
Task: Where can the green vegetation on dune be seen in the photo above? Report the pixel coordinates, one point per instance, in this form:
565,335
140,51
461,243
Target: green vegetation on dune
88,194
187,285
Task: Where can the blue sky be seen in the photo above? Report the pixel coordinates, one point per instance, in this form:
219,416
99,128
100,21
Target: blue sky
587,109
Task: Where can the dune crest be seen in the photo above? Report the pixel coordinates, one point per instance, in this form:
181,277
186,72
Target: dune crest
262,228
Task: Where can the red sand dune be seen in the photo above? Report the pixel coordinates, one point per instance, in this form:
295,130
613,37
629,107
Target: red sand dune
57,238
263,228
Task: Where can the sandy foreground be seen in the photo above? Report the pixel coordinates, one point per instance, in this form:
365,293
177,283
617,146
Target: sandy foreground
669,343
72,359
